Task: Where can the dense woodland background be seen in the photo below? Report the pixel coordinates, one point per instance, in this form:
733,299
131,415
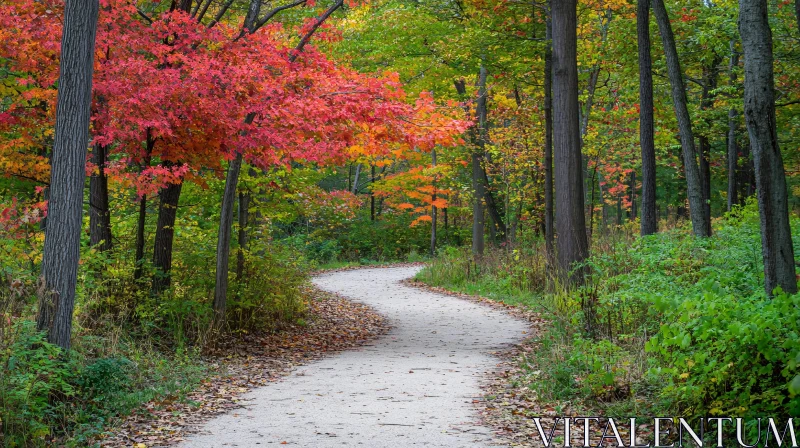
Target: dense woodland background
628,169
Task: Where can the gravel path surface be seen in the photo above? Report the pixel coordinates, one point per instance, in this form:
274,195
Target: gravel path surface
414,386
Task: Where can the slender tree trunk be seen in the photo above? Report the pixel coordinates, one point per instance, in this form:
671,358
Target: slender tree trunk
707,101
224,239
433,208
372,195
99,210
633,195
733,147
165,233
759,113
573,246
478,184
68,171
549,229
355,179
646,126
244,217
140,221
693,186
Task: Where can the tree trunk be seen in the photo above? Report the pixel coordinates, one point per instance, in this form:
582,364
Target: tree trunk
224,239
99,210
68,171
372,195
646,126
433,207
573,246
693,187
759,112
244,217
478,184
633,195
139,259
355,179
733,147
707,101
549,235
165,233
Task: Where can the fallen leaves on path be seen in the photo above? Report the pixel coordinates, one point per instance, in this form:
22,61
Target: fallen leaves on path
250,361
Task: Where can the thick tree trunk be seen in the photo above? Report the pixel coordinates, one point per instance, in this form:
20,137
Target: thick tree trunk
733,122
99,210
549,229
165,233
693,187
759,113
68,171
646,126
573,246
433,207
478,184
224,239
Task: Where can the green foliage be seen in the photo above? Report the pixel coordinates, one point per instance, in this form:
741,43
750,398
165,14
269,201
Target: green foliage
715,344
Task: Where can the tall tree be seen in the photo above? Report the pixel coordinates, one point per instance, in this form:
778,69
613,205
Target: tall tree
573,246
433,206
99,213
68,171
675,73
478,184
759,113
733,124
549,236
646,127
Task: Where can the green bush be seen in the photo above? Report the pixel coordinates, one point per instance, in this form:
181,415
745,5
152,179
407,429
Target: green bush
730,355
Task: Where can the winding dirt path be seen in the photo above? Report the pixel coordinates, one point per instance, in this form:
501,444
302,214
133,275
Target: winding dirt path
414,386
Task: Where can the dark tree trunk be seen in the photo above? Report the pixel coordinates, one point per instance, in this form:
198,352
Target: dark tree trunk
549,229
433,207
68,171
99,210
140,221
759,113
633,195
372,195
165,233
693,186
646,126
573,246
244,217
224,238
707,101
733,147
478,184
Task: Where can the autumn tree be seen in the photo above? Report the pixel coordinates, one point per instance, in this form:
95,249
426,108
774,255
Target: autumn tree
65,208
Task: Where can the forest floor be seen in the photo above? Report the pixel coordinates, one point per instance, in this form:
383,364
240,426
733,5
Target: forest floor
417,385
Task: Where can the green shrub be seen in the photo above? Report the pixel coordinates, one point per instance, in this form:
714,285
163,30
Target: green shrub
730,355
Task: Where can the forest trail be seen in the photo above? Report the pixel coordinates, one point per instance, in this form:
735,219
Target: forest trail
414,386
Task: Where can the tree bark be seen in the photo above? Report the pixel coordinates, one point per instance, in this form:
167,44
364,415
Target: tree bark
646,121
759,113
372,195
549,235
693,187
139,258
165,233
99,210
244,217
478,184
224,239
707,101
68,171
433,207
733,147
572,244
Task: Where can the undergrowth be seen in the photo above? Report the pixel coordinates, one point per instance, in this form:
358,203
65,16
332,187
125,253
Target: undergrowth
665,325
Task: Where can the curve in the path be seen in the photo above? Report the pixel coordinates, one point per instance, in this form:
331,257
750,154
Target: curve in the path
414,386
